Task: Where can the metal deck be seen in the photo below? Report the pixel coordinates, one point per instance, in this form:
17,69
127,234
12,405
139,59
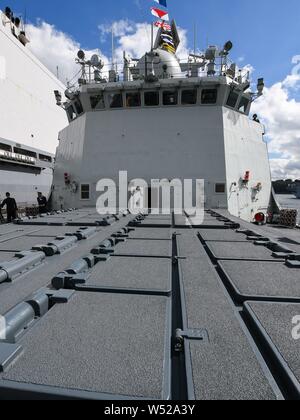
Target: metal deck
127,307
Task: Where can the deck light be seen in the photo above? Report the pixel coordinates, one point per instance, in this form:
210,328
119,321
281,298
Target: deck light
259,218
81,55
228,47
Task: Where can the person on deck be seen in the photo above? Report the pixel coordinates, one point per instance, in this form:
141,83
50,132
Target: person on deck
256,119
11,207
42,202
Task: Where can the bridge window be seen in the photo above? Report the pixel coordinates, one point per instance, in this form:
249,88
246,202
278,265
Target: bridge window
170,97
85,191
151,98
209,96
25,152
133,99
45,158
243,105
220,188
189,97
5,147
97,102
71,113
232,99
78,107
115,100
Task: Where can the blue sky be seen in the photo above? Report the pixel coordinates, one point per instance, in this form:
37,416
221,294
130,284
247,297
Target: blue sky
265,32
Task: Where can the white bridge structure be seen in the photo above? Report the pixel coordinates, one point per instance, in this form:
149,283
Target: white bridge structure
164,120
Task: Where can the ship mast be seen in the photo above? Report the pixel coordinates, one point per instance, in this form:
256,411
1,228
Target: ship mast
113,73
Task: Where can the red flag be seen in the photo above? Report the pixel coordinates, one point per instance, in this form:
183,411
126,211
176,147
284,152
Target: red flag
162,14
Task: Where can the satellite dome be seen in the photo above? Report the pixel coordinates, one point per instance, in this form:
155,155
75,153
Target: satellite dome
161,62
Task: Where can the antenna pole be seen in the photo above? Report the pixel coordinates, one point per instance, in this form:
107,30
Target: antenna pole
152,36
195,40
113,47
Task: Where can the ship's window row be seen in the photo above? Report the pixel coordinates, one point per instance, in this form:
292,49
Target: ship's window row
137,99
24,152
156,97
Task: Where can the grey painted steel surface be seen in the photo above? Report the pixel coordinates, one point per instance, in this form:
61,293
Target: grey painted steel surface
239,251
140,247
18,233
274,323
133,273
18,290
154,233
160,221
8,229
262,280
225,366
226,235
105,349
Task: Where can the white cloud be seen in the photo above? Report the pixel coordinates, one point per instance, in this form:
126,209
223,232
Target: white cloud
55,49
280,113
121,28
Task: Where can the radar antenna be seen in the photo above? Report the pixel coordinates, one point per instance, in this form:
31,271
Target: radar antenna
95,63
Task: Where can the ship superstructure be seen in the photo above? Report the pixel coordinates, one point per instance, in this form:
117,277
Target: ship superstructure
166,119
29,120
